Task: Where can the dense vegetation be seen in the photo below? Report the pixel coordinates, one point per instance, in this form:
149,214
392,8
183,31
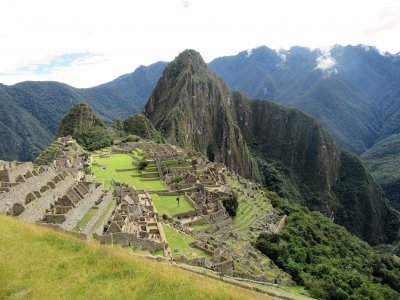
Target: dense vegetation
328,260
77,120
383,161
95,138
139,125
231,204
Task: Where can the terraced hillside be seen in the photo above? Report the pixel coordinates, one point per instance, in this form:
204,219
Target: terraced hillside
197,232
124,168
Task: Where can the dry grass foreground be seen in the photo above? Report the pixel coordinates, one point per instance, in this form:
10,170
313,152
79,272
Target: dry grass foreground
39,263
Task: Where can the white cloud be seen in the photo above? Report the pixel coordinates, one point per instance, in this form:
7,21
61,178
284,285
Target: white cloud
249,52
282,55
325,61
126,33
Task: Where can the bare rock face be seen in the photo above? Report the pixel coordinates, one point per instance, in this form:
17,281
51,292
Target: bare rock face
193,108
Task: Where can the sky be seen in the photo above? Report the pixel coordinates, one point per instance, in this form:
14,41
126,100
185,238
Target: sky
85,43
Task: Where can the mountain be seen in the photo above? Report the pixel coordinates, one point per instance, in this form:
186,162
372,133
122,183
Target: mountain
192,107
140,126
383,161
353,91
33,110
347,89
77,120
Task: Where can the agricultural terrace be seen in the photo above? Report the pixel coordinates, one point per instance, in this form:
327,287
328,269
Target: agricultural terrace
122,168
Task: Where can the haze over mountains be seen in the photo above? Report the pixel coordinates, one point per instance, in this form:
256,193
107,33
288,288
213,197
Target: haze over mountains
352,91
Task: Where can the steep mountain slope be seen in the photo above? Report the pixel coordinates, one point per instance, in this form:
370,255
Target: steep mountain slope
192,107
78,119
353,91
32,111
357,79
383,161
21,134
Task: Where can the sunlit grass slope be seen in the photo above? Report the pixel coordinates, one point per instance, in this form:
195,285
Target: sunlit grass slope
38,263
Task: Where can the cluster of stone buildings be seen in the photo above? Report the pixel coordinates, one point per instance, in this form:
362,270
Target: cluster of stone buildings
54,195
134,221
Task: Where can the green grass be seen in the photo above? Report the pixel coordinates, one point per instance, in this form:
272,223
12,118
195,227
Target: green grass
100,220
86,218
39,263
169,206
181,242
131,177
200,226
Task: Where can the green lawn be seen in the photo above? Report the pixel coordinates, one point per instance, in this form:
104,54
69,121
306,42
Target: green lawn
181,242
169,206
131,177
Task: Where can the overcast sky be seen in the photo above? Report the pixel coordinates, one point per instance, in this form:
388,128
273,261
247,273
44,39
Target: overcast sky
85,43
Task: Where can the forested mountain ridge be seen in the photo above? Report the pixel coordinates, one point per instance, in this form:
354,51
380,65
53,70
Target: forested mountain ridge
32,111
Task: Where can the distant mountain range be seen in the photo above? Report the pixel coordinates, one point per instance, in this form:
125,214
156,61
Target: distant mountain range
32,111
353,91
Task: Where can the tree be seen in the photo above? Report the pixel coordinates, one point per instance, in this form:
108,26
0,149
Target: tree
231,204
94,138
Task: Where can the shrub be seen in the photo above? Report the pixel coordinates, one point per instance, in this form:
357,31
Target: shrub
142,165
177,179
231,204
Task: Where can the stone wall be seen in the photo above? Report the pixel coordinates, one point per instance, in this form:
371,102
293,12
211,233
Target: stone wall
188,214
35,210
128,239
82,207
14,170
107,197
18,193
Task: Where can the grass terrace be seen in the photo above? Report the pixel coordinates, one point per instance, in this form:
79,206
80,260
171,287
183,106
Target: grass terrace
122,168
179,244
169,206
85,220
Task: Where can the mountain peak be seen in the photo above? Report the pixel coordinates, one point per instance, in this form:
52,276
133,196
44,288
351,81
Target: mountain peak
190,56
79,118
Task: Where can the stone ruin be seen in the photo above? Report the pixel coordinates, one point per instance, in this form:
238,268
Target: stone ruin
69,209
134,221
54,195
